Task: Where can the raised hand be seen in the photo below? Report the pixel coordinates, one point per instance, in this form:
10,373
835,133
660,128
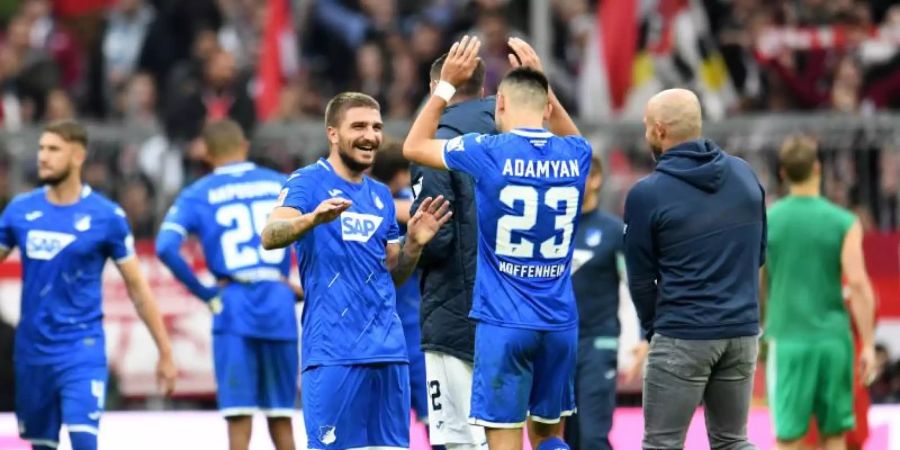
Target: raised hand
523,55
330,209
461,61
431,215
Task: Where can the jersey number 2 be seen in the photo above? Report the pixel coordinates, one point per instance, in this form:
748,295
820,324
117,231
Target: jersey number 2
509,195
244,223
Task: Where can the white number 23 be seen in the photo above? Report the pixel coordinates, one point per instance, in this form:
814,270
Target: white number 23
553,198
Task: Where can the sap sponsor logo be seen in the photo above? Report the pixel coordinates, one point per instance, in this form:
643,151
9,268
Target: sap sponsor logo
455,145
359,227
45,245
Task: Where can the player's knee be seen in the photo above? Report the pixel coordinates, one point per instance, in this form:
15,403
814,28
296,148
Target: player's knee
553,443
544,430
83,440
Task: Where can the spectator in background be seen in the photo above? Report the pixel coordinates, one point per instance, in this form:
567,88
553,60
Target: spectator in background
223,93
36,74
370,73
59,106
493,31
125,31
48,35
135,196
188,73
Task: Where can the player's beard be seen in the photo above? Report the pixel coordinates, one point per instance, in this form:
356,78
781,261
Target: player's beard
347,155
56,179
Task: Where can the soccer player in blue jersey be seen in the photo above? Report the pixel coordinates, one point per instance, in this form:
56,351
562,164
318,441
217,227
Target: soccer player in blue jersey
529,185
65,233
254,322
355,379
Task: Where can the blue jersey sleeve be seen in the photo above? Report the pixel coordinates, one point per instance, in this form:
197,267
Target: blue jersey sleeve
180,221
181,218
7,233
393,234
297,192
120,239
466,153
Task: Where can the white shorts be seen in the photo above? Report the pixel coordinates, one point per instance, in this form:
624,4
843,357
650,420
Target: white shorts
450,396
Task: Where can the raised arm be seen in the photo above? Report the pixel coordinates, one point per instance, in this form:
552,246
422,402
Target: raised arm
560,123
148,311
285,225
862,297
420,145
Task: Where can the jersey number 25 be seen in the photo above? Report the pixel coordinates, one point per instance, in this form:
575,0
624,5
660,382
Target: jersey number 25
244,223
564,198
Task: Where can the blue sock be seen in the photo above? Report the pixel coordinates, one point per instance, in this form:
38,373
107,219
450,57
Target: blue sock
553,443
83,441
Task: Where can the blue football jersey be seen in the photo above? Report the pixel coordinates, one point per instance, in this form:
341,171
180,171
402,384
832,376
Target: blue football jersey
227,210
64,249
349,311
529,185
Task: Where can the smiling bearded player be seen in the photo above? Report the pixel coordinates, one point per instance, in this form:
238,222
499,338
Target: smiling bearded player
355,378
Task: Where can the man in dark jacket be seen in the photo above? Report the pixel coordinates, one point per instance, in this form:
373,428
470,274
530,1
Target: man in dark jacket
448,273
694,242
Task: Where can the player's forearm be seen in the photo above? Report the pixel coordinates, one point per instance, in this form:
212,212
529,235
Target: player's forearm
862,305
423,129
406,262
284,232
148,311
561,124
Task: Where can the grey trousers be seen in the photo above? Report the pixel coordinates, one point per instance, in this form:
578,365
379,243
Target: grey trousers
681,373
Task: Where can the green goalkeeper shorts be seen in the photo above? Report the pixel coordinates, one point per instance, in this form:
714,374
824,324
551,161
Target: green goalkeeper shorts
810,379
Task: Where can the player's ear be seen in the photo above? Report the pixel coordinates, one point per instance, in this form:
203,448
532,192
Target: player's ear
332,133
548,110
481,92
79,154
817,169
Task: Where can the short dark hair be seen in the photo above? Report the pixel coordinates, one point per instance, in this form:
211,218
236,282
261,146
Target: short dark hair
69,130
223,137
339,104
797,157
472,87
529,77
389,161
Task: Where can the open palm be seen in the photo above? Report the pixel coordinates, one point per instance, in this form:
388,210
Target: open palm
428,219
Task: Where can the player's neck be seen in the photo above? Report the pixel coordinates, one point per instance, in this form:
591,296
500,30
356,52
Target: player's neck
66,192
343,171
523,120
806,189
226,161
590,204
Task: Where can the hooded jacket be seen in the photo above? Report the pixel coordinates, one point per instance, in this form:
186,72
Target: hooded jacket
448,262
695,237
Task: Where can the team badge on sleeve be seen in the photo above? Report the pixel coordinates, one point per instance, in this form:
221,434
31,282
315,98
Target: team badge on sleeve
455,144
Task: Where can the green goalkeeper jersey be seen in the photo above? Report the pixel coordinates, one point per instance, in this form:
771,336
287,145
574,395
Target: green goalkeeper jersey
803,263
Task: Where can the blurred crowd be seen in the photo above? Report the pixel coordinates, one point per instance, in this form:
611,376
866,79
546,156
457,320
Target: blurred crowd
161,68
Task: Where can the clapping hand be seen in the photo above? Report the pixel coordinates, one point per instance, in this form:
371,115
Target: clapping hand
431,215
462,59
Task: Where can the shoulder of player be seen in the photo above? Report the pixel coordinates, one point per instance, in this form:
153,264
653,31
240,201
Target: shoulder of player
306,174
23,199
380,188
104,206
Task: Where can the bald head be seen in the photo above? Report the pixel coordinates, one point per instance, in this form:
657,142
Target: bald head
672,117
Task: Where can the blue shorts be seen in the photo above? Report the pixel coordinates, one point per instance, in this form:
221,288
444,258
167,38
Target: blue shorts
49,395
356,406
521,372
255,375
